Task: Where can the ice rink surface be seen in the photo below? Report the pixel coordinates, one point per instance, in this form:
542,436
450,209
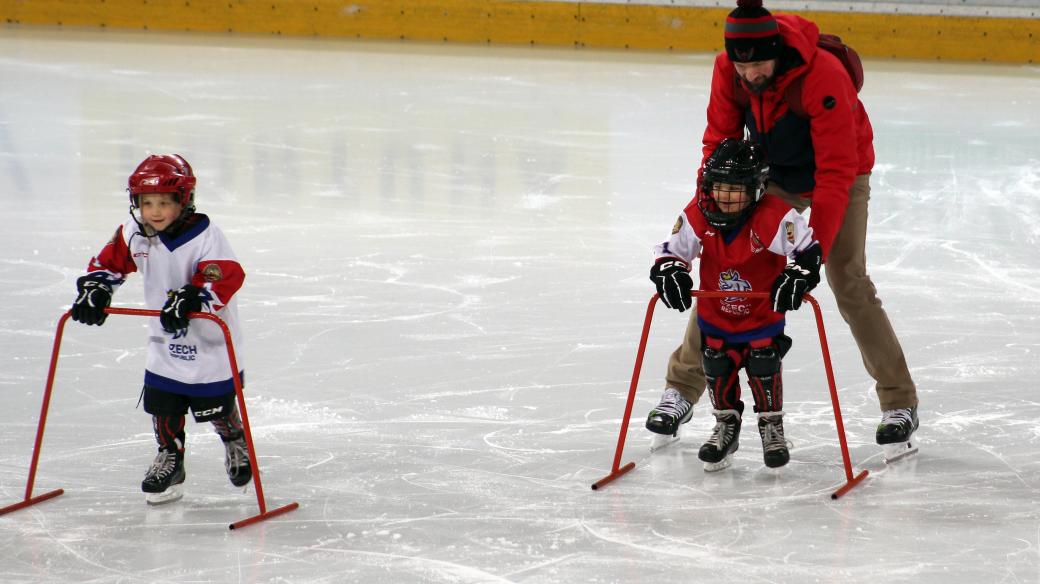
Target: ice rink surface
447,251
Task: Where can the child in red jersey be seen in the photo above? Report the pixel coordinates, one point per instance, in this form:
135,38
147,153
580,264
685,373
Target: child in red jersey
744,239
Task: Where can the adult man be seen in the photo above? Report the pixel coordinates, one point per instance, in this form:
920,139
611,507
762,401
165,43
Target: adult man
799,104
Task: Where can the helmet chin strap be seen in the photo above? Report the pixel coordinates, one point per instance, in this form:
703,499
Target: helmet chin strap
142,227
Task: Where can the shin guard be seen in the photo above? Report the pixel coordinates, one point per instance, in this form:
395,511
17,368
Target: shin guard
720,371
169,432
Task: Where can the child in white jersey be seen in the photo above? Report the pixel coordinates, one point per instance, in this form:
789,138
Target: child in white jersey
188,266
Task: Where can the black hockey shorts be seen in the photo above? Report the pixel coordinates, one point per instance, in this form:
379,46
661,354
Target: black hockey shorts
203,408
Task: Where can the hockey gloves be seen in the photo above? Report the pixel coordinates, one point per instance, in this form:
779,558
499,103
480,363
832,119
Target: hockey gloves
179,303
94,297
797,279
673,281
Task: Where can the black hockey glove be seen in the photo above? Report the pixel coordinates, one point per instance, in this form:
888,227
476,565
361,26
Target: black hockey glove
673,281
179,303
797,279
94,297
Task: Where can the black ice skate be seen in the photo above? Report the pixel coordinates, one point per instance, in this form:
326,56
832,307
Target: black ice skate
236,460
164,479
717,452
895,433
666,419
774,445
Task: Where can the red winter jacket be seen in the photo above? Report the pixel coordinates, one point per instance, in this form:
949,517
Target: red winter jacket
818,157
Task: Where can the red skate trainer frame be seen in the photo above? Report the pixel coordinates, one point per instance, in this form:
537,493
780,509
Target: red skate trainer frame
617,471
30,500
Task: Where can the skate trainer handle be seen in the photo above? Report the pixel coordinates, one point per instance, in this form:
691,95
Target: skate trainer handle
617,471
30,500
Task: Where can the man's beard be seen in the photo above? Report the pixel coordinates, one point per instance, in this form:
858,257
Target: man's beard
758,88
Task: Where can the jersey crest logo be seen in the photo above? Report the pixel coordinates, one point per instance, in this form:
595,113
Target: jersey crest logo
756,243
678,225
789,231
730,281
212,273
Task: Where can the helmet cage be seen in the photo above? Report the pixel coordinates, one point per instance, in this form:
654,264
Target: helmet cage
738,162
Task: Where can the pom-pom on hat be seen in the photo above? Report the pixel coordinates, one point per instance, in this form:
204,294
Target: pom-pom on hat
751,33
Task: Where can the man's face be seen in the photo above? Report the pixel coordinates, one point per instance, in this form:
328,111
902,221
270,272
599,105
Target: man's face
757,75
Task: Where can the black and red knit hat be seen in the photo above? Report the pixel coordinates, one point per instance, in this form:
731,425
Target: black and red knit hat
751,33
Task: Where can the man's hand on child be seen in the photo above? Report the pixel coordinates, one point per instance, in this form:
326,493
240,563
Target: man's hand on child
179,303
673,281
94,297
797,279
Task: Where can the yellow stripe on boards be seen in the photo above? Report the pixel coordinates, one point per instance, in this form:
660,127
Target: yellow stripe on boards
580,24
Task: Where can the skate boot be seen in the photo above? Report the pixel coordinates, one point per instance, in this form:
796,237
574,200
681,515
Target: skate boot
666,419
717,452
164,479
895,433
236,459
774,445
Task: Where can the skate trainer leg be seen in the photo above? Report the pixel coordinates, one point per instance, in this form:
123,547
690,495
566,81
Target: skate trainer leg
617,470
31,500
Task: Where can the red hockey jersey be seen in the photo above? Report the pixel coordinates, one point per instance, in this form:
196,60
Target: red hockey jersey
746,259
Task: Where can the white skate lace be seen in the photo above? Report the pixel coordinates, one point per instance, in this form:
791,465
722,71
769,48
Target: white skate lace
772,433
898,417
725,423
163,465
672,404
236,454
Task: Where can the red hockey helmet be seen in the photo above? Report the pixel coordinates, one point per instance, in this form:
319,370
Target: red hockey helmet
163,173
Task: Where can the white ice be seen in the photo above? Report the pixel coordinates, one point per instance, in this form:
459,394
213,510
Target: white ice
447,249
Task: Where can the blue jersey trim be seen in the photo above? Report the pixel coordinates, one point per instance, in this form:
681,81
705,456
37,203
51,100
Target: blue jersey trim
210,389
766,332
193,230
731,234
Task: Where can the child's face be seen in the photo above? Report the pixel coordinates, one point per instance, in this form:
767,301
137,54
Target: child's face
730,198
159,210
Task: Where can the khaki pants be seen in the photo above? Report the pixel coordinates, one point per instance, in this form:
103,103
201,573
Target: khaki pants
857,302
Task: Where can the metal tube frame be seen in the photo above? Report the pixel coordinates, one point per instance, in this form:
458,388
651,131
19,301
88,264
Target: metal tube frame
232,361
617,470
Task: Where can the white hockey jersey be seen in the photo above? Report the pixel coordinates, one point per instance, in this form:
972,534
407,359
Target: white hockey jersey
194,362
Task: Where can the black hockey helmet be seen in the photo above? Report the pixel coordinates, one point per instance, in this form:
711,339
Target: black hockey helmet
739,162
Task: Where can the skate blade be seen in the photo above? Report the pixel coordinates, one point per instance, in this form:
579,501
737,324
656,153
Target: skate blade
173,493
899,450
662,441
720,465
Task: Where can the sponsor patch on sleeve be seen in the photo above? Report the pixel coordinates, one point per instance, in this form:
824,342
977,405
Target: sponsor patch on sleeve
678,225
789,231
